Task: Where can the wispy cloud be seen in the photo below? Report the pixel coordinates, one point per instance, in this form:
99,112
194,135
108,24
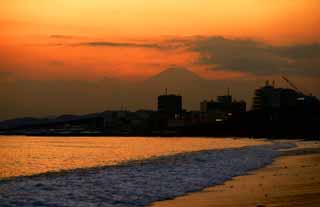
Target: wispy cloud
117,44
63,40
57,36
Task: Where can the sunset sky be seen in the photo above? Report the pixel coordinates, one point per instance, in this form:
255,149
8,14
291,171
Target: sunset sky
133,40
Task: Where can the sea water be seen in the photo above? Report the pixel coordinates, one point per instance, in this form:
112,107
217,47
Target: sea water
118,171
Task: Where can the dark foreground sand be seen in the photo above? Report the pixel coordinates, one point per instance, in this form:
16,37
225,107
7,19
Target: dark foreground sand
291,180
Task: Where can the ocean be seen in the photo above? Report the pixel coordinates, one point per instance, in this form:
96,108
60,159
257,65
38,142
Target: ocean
121,171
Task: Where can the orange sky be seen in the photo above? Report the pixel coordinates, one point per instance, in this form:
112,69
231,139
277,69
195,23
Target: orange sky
274,20
28,50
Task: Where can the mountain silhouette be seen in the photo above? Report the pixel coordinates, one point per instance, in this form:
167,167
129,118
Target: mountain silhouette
176,75
181,81
177,81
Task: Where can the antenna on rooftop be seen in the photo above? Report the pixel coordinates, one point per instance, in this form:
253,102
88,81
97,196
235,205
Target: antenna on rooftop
166,92
228,91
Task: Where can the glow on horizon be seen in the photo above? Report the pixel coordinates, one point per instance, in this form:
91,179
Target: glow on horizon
26,26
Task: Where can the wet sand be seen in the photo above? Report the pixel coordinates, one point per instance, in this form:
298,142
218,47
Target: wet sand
291,180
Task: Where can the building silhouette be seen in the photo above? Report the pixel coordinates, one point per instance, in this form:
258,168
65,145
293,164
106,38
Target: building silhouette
283,112
270,98
221,109
277,112
170,104
266,98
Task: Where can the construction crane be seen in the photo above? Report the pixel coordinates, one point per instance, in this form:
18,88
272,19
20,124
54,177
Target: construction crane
291,84
295,87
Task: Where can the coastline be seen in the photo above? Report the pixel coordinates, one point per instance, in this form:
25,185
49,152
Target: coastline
291,180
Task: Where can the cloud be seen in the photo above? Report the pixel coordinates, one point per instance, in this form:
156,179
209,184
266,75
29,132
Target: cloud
57,36
298,51
247,55
167,44
170,44
118,44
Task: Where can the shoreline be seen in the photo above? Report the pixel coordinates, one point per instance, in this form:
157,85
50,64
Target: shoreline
290,180
267,137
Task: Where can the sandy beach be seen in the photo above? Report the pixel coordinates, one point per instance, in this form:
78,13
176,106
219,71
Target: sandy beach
291,180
